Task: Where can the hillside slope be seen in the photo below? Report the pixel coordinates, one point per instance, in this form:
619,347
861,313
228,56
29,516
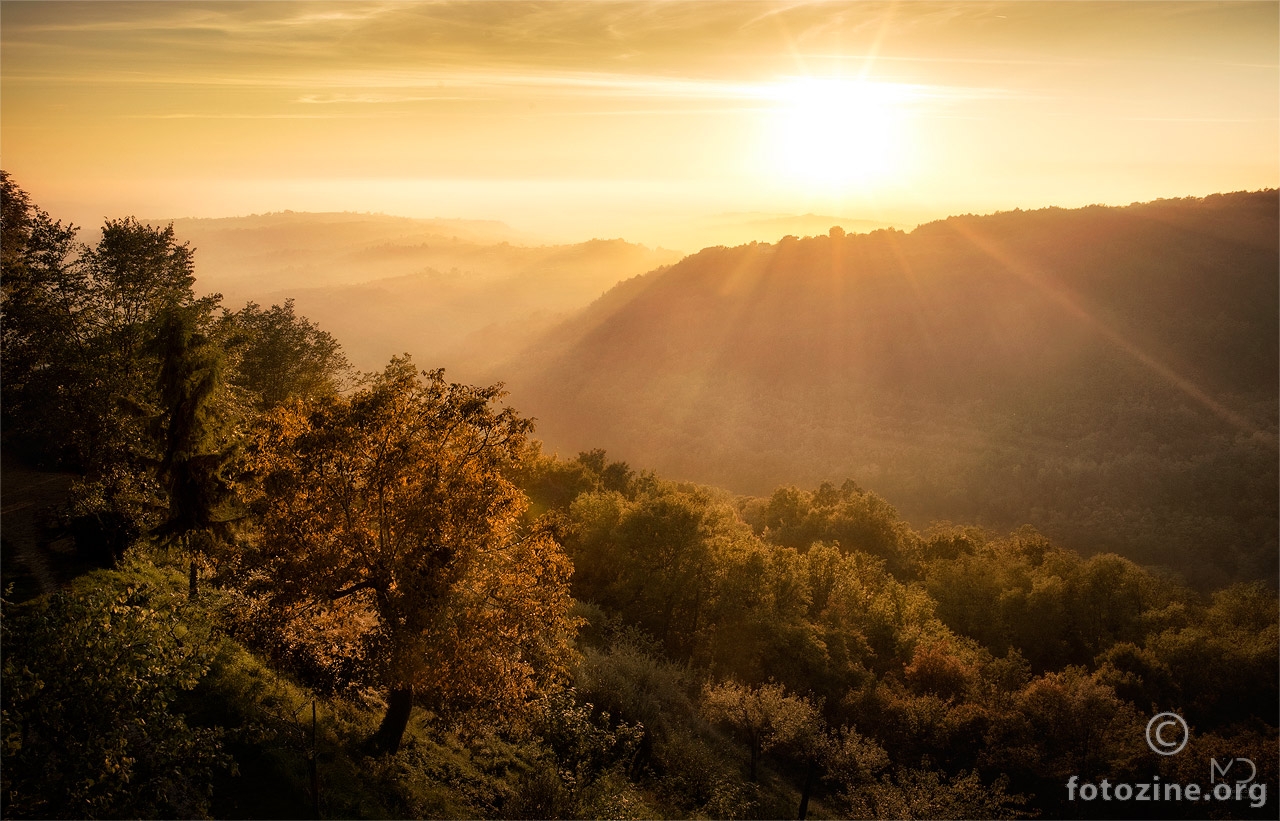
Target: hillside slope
1107,374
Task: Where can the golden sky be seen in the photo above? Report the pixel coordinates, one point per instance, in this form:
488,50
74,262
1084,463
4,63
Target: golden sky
575,119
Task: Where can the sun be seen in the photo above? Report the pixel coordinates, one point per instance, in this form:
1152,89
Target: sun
834,133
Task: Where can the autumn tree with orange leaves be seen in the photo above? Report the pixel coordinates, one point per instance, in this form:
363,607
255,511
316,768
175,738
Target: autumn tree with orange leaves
387,515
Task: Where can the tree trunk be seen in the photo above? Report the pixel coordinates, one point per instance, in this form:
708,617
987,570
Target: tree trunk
809,769
399,705
314,763
193,586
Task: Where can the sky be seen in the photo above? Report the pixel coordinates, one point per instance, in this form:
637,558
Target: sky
633,119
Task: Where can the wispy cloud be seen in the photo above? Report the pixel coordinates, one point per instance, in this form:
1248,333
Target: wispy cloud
580,89
373,99
208,115
1201,119
410,85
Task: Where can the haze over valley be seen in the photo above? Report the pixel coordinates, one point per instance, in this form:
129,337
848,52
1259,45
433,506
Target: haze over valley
464,293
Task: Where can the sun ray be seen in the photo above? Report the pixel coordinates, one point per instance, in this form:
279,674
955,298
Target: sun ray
1072,305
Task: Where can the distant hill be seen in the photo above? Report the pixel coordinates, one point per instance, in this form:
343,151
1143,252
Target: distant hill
741,227
295,248
458,293
1107,374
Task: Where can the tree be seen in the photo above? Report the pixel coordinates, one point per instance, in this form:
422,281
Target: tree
615,476
196,446
852,761
848,516
1066,723
47,352
79,369
16,218
653,558
139,275
765,716
283,356
96,375
392,506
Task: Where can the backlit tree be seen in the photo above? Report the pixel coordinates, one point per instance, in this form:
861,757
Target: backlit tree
390,511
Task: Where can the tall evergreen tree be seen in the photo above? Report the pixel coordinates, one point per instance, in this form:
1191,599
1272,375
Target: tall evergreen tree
196,447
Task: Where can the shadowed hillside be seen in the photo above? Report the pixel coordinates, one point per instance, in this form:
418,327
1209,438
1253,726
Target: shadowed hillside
1106,374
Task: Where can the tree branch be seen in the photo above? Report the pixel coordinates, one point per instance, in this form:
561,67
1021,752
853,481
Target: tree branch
355,588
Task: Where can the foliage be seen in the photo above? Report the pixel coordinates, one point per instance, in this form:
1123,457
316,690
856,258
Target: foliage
79,321
1050,604
1063,724
585,773
853,760
928,793
282,356
848,517
112,510
47,354
1220,667
389,511
91,676
651,558
766,716
112,367
197,446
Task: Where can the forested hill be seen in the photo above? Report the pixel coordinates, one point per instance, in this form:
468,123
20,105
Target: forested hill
1106,374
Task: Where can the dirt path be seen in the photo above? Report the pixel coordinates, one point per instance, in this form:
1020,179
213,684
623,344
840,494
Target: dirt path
32,560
